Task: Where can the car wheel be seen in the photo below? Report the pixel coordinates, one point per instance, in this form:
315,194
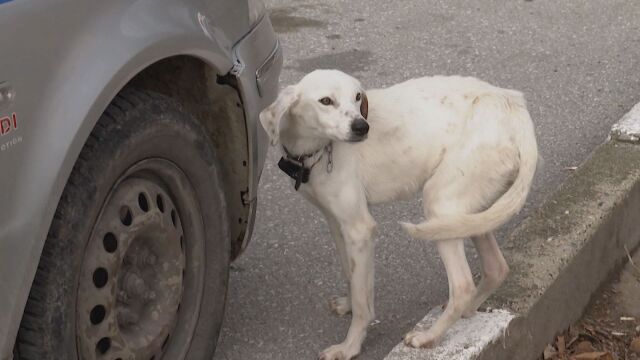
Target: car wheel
136,261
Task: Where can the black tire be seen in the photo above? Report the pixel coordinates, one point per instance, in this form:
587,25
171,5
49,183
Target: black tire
147,138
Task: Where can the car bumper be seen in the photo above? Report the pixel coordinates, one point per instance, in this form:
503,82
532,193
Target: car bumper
257,66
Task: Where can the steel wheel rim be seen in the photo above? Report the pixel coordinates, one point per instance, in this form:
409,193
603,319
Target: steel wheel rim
142,275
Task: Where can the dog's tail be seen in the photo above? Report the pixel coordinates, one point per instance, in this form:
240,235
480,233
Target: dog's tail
512,201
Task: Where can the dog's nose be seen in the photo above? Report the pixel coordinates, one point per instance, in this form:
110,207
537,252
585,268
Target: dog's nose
359,127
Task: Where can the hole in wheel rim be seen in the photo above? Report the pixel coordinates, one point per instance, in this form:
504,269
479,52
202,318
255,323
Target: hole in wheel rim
103,345
100,277
143,202
173,217
125,216
97,314
160,203
110,243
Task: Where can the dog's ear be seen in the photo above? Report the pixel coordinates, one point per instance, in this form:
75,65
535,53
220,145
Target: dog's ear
364,106
271,116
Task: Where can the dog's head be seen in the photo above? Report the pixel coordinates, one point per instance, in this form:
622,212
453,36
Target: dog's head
325,104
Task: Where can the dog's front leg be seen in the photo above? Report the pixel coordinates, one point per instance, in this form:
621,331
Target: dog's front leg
357,232
340,305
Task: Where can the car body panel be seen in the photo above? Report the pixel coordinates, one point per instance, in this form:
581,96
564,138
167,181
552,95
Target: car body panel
71,59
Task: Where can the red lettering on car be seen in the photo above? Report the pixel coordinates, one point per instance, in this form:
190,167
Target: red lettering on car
8,123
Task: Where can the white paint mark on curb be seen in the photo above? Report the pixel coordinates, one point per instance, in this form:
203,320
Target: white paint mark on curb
628,128
464,341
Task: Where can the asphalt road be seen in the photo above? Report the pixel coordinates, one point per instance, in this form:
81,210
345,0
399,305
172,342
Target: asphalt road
577,63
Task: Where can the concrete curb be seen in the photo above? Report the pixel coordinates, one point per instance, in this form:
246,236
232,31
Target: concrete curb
559,256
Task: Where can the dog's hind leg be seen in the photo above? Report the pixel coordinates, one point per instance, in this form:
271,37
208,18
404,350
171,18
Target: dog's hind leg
461,293
451,192
494,269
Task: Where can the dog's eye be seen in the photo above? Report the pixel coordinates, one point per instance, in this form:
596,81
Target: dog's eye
358,96
326,101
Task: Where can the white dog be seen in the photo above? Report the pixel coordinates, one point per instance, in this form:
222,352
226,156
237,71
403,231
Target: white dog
467,145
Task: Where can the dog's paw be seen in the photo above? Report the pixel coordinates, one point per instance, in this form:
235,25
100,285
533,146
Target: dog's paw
420,339
338,352
340,305
410,228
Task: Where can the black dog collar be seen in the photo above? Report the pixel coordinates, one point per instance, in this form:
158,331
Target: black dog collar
294,167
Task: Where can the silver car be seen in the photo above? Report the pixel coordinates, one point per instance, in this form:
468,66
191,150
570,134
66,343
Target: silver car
129,161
